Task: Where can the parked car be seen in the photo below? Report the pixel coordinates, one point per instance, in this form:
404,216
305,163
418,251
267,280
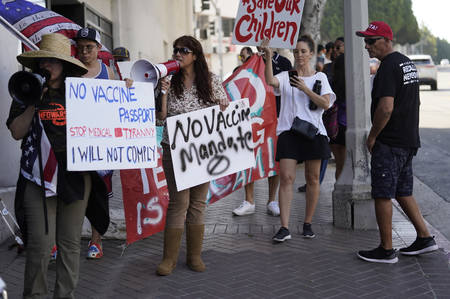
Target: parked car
3,294
445,61
427,70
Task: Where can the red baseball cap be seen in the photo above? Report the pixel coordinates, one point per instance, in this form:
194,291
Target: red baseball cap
377,28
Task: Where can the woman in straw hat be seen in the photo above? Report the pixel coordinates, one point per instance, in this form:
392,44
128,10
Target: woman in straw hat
60,216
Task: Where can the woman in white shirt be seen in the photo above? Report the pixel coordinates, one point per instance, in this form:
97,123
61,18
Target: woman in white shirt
298,100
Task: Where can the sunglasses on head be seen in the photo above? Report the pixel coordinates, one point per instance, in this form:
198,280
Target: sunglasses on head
371,41
182,51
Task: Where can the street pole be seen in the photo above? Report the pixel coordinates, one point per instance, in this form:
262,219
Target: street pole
352,201
219,36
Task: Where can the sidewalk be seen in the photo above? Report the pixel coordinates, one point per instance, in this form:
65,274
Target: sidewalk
242,262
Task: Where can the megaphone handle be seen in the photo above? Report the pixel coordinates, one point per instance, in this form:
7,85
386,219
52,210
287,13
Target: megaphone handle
169,77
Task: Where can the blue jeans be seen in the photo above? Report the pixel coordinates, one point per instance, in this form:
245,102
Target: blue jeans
323,169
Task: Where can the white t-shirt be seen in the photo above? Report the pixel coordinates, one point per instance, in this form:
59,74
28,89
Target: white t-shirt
295,102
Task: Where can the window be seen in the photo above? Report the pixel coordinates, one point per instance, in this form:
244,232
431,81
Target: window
102,25
85,16
227,26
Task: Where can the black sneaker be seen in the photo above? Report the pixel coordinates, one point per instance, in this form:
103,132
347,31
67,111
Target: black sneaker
282,235
419,246
302,189
307,231
379,255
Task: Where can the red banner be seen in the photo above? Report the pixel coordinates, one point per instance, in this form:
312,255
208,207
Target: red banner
145,200
249,82
145,194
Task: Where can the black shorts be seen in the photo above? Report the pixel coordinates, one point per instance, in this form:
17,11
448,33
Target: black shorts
340,137
391,171
291,145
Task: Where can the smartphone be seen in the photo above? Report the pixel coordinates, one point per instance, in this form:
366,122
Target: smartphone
291,74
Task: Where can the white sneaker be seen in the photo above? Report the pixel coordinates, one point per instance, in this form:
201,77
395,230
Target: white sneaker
273,208
245,208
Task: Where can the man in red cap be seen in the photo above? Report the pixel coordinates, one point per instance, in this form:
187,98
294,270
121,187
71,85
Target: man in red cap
393,141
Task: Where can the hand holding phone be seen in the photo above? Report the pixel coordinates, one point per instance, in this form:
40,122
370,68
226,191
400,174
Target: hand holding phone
292,74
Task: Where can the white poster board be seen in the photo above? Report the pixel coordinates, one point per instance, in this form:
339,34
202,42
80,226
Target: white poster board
208,144
277,20
125,68
110,126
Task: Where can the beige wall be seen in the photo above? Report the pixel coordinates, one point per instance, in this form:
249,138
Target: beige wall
9,148
148,27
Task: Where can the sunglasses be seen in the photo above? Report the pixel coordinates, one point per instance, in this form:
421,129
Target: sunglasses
182,51
371,41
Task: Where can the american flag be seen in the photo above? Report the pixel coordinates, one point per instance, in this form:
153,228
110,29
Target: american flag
29,163
33,21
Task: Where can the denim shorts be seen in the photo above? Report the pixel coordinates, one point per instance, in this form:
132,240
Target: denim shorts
391,171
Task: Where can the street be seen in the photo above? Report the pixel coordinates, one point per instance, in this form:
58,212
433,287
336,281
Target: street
432,163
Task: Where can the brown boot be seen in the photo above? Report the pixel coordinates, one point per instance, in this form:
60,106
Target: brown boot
194,241
172,241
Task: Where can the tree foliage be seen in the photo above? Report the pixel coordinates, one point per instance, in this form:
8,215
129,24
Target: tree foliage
428,42
398,14
442,49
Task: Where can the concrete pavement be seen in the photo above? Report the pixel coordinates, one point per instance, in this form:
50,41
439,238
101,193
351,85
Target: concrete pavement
242,262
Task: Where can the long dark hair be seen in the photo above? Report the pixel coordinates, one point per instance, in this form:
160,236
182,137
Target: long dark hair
202,75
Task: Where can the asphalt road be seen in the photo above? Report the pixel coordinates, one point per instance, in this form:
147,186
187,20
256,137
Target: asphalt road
432,164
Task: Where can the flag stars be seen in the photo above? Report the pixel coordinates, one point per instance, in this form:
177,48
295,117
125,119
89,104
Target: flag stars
18,9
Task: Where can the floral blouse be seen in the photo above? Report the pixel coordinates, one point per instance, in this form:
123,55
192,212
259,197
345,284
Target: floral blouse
189,102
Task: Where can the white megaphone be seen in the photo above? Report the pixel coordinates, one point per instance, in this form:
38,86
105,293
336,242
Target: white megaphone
145,71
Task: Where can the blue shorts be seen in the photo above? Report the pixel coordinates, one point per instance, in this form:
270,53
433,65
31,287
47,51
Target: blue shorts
391,171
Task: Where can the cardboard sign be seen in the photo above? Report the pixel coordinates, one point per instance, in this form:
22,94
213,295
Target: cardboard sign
277,20
110,126
207,144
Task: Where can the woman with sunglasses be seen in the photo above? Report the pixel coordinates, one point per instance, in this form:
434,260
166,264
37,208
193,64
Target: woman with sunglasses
191,89
298,100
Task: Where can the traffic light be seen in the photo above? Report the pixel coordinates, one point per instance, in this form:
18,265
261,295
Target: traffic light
212,27
205,4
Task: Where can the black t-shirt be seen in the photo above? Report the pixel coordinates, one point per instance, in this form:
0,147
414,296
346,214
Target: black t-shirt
280,64
52,112
397,77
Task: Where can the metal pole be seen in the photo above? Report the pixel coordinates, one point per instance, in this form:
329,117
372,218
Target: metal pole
220,37
18,34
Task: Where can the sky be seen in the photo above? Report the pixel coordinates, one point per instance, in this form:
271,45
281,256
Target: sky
434,14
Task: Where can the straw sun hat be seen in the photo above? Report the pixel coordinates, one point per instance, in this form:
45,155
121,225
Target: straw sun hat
53,45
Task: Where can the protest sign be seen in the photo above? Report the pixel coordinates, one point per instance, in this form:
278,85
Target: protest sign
145,200
110,126
210,143
145,192
277,20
